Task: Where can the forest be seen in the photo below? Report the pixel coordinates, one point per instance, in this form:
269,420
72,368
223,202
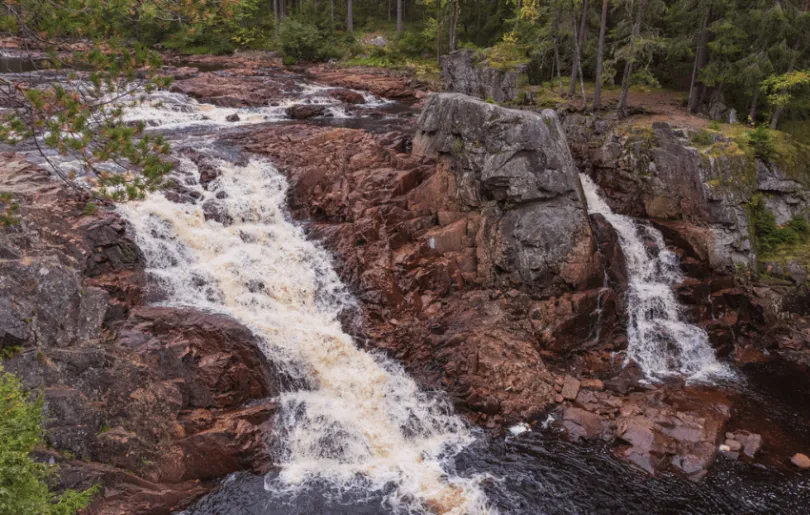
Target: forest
754,53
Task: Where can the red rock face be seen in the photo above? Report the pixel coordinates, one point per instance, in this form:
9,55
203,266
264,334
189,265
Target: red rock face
382,83
429,268
239,88
255,83
146,401
668,428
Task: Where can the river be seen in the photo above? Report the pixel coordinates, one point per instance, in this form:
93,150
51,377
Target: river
355,434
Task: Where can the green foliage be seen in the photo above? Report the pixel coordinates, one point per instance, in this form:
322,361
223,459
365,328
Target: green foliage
304,41
9,351
789,91
8,210
768,235
703,138
85,120
761,141
23,481
799,130
220,27
507,54
412,44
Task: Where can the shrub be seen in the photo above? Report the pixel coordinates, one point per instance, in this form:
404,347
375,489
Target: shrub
23,487
412,44
770,236
302,41
761,140
8,210
703,137
800,226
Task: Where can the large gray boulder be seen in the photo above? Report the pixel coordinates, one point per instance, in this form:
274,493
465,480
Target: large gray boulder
657,173
466,71
515,168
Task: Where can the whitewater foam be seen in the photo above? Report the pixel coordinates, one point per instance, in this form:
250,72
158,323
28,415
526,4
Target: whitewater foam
660,340
361,423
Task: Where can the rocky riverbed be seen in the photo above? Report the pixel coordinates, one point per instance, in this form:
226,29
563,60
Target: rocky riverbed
462,231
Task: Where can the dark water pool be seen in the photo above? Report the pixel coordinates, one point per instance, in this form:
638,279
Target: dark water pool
539,474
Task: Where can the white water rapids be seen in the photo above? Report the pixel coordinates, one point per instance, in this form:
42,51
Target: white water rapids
353,419
658,338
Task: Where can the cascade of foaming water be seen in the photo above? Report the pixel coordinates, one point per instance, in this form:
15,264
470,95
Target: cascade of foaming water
658,338
362,424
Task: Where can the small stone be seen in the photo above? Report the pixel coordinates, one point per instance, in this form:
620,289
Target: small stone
729,436
558,388
558,399
592,384
733,445
559,380
753,443
304,111
8,252
801,461
570,388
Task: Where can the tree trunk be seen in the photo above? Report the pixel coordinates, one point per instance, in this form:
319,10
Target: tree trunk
600,55
517,19
628,66
556,30
438,40
349,17
454,14
399,16
752,113
577,66
700,58
579,39
778,113
275,15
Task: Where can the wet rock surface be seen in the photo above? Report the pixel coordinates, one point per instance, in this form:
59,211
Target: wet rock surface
444,250
150,402
664,429
245,82
302,112
380,82
237,88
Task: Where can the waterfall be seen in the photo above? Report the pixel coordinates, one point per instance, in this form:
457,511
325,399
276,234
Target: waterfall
354,419
659,340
